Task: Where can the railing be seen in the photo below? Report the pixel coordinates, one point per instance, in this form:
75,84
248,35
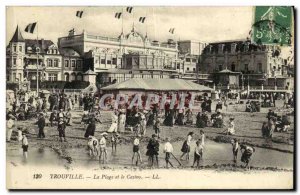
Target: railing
267,87
102,38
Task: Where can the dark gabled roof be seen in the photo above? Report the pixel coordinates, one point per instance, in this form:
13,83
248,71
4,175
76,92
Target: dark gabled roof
41,43
17,37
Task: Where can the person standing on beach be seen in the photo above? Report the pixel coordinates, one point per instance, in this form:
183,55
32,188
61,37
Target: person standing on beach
114,141
202,137
103,150
61,127
41,124
235,149
198,153
152,150
186,146
68,116
10,125
90,130
157,126
136,150
25,145
93,144
168,149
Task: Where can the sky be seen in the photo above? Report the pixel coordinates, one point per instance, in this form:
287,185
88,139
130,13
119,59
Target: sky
205,24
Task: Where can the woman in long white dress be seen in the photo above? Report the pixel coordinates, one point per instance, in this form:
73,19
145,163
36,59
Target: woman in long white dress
121,126
114,124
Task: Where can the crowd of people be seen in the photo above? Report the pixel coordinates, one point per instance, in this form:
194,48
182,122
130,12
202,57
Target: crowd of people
55,111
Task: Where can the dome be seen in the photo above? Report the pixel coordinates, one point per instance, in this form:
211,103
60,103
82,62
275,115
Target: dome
134,36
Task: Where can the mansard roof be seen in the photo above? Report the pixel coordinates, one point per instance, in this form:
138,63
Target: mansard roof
41,43
17,37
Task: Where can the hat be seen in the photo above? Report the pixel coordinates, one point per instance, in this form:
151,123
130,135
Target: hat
231,118
154,135
104,134
90,137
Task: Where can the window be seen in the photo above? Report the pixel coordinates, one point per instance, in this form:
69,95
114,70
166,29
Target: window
49,63
108,61
220,67
37,49
20,48
187,68
194,60
246,68
15,48
14,61
259,67
102,61
54,51
178,66
78,64
114,61
52,77
66,63
194,69
73,63
233,67
129,61
187,59
55,63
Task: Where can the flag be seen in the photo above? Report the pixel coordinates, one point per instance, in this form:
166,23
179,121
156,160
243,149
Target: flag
30,27
172,30
118,15
272,25
142,19
129,9
79,14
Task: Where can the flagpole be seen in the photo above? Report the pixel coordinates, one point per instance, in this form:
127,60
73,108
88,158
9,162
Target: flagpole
146,23
37,60
133,18
122,20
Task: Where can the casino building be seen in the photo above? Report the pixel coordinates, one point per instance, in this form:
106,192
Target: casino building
128,56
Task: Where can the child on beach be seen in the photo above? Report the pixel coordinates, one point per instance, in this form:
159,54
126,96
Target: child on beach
114,141
168,149
25,145
93,145
157,127
198,153
136,149
103,151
